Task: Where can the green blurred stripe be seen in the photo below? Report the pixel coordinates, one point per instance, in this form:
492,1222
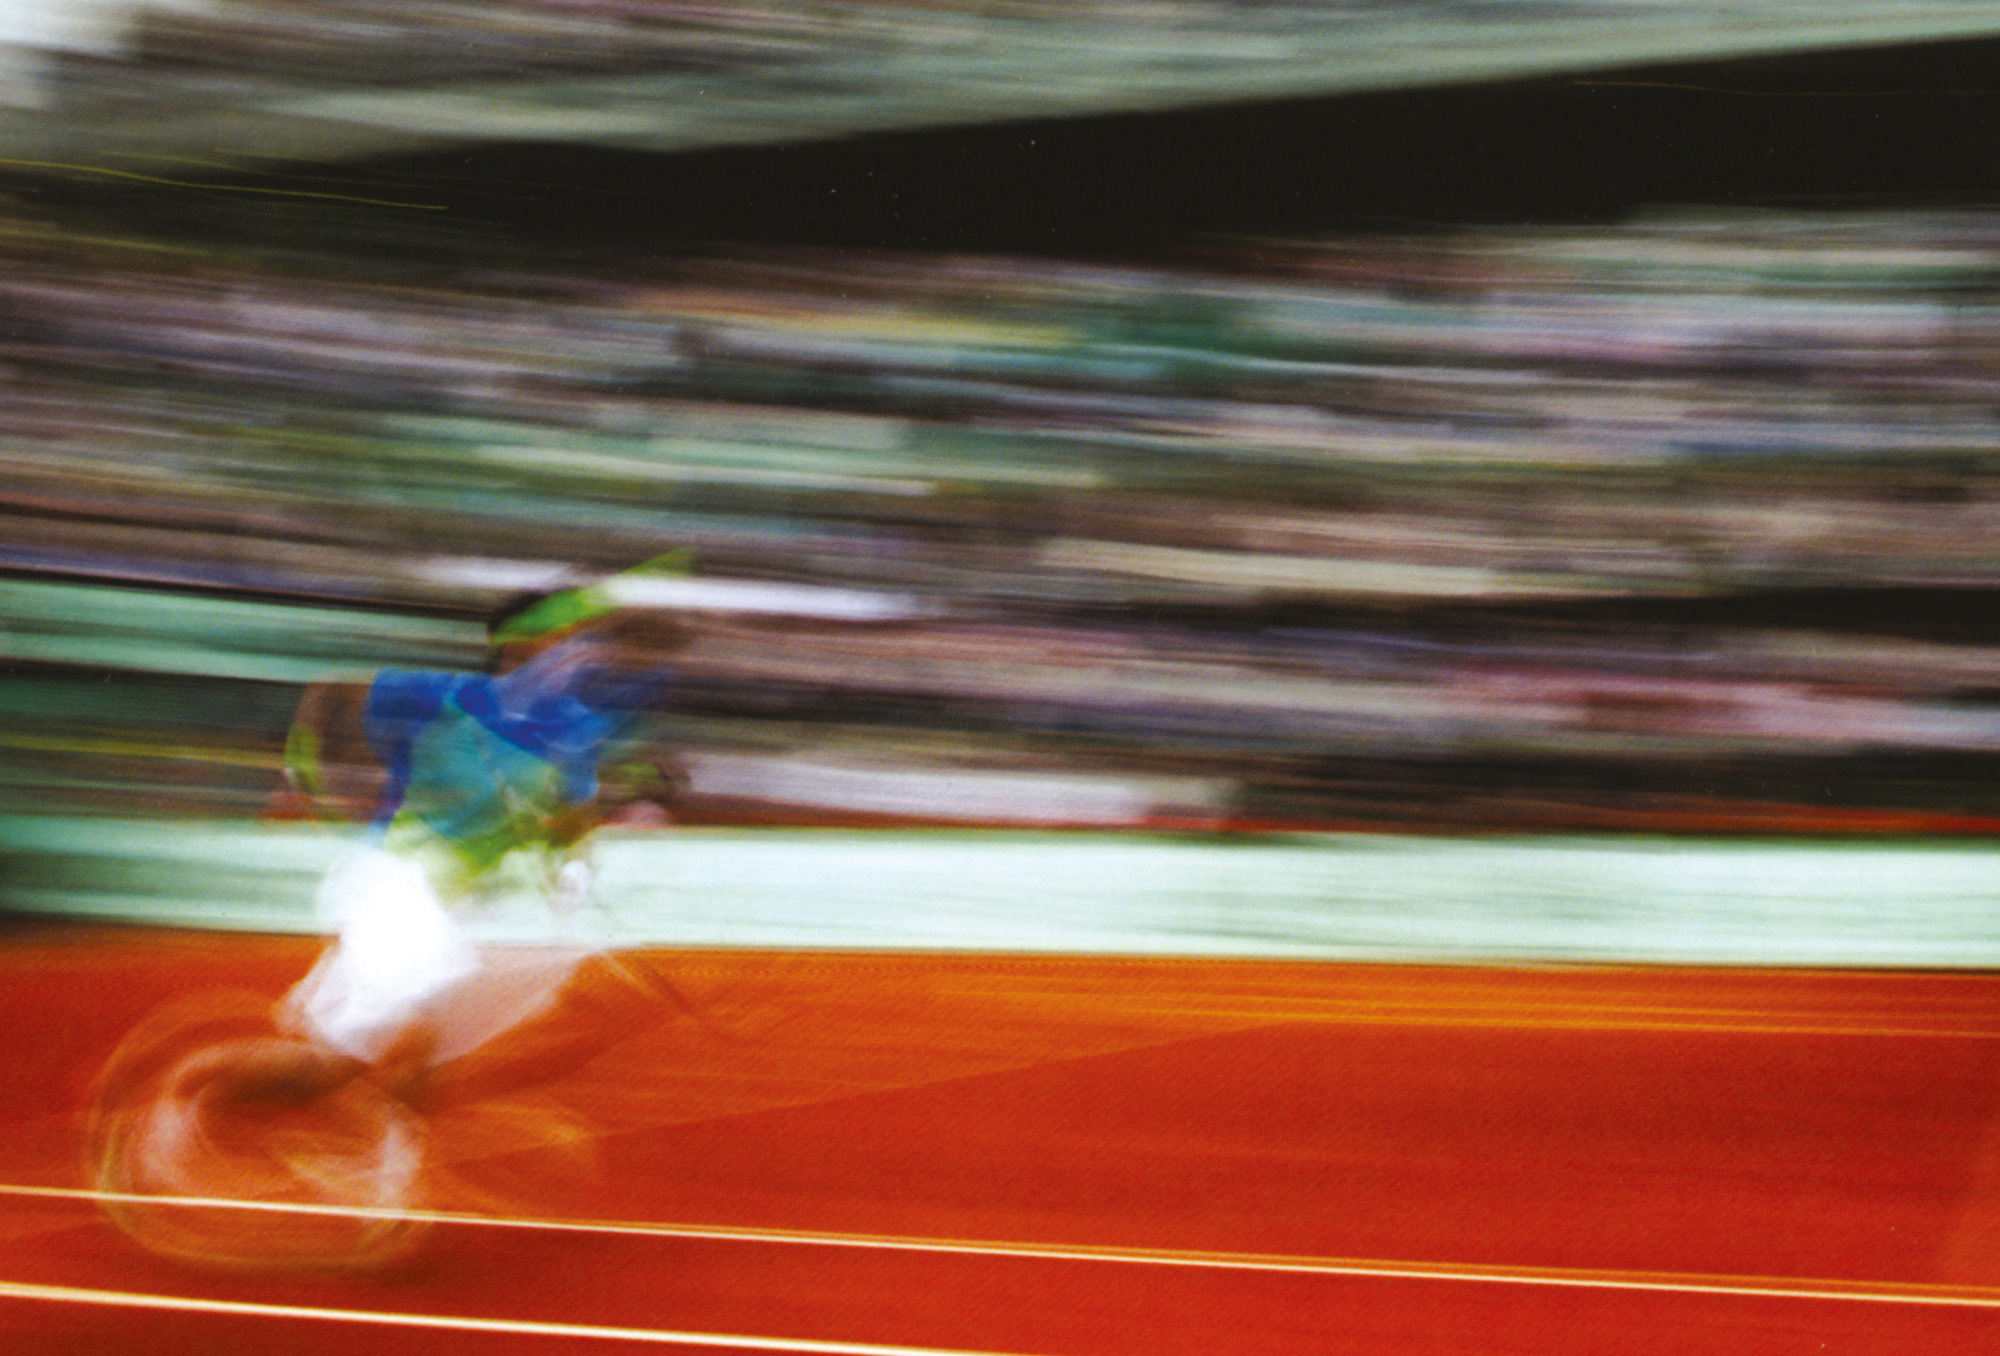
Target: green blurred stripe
1579,899
215,637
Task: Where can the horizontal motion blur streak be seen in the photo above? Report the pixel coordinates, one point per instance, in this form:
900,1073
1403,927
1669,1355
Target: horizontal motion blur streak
62,1294
1980,1297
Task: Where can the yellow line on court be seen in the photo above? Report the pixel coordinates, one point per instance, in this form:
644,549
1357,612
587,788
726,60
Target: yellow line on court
1609,1017
1772,1287
64,1294
104,172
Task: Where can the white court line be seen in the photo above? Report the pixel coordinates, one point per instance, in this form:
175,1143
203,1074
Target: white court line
64,1294
1873,1292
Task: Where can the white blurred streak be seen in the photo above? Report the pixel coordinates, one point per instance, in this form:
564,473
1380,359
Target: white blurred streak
69,25
30,29
486,573
981,795
746,596
1301,574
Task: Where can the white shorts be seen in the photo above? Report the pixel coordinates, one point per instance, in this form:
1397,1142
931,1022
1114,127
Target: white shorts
401,957
398,949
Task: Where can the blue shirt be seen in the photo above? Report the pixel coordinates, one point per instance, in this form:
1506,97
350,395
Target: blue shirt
486,761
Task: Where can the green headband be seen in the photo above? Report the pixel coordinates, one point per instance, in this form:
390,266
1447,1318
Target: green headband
572,607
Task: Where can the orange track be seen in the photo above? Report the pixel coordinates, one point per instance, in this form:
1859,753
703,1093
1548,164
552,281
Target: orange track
1186,1156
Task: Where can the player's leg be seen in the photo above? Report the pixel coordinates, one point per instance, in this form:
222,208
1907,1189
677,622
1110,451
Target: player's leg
214,1139
396,951
593,1002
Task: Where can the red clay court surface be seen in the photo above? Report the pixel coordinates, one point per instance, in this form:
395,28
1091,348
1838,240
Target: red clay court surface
1070,1157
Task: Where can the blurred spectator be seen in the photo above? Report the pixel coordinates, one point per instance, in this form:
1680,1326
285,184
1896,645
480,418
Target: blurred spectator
1687,512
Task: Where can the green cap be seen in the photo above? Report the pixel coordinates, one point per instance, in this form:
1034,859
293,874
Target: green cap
572,607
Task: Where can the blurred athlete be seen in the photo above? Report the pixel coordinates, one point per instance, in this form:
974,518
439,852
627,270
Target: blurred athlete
475,785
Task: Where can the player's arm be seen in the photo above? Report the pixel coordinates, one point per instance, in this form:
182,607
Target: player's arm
329,766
